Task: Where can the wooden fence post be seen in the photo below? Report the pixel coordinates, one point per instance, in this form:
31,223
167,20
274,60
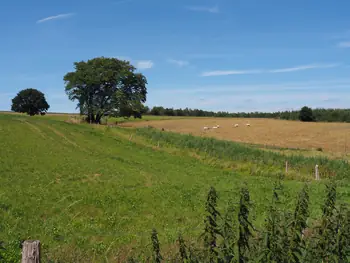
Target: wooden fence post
286,167
317,176
31,251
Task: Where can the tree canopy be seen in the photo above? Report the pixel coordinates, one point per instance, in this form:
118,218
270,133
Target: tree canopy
30,101
306,114
106,86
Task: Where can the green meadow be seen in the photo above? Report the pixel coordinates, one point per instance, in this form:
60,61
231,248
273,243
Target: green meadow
93,193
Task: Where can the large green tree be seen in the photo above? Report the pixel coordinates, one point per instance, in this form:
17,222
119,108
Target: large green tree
306,114
104,86
30,101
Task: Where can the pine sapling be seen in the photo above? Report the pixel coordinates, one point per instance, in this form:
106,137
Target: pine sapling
182,249
275,243
228,234
299,224
326,243
245,226
211,230
156,247
342,222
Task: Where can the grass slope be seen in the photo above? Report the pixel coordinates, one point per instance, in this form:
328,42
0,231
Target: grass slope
91,195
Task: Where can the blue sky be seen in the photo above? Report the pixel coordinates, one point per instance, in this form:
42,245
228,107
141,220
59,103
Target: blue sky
231,55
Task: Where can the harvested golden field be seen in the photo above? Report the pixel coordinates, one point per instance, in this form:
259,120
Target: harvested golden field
331,137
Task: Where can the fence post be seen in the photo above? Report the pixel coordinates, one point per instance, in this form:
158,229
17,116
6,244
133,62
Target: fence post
286,167
317,176
31,251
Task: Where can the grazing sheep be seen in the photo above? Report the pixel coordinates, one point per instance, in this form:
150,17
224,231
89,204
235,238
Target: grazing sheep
236,125
206,128
248,124
215,127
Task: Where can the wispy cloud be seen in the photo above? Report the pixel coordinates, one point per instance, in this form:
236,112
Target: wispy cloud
307,86
144,64
60,16
272,96
139,64
180,63
229,72
214,9
303,67
344,44
258,71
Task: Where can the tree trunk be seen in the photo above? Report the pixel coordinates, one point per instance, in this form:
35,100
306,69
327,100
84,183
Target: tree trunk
90,118
98,118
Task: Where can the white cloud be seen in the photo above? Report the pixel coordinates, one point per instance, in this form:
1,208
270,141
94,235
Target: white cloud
303,67
312,85
328,93
229,72
214,9
144,64
139,64
344,44
257,71
60,16
180,63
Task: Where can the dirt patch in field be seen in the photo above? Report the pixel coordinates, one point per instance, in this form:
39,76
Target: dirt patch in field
330,137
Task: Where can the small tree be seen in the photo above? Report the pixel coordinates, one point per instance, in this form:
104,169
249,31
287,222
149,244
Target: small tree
182,249
298,225
30,101
228,234
211,230
245,226
306,114
157,257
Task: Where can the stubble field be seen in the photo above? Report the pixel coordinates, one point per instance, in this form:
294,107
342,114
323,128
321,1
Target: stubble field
329,137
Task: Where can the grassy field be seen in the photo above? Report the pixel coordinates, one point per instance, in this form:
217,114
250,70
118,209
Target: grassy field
331,138
75,117
93,193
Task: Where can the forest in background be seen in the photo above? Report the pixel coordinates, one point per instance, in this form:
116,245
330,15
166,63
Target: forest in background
320,114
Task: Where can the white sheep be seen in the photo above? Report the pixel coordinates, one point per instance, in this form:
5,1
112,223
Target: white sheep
248,124
206,128
236,125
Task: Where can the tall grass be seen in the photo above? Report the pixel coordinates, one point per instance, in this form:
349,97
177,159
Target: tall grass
281,241
227,150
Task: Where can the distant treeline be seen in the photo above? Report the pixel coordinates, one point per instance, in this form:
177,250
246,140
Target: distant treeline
323,115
